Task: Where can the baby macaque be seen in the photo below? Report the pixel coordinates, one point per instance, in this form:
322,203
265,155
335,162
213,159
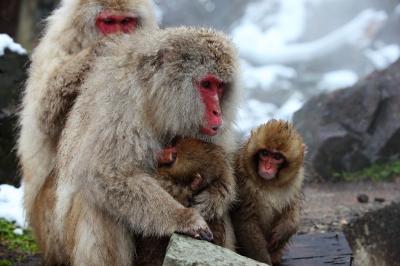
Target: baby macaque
269,172
186,170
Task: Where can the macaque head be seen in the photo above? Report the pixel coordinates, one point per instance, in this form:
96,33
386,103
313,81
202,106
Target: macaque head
193,86
193,162
275,151
107,17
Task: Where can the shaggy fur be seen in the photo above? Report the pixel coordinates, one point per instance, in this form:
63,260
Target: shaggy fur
212,194
268,212
139,94
59,64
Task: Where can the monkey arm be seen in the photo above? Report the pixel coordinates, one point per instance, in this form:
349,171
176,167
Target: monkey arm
214,201
139,200
62,89
286,227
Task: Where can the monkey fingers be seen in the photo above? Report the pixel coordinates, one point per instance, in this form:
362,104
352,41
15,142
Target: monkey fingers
201,234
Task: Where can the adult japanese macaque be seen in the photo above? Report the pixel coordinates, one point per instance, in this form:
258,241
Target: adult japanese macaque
140,93
269,173
197,168
59,64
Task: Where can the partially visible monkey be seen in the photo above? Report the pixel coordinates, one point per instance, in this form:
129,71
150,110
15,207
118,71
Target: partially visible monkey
59,64
197,168
141,92
269,172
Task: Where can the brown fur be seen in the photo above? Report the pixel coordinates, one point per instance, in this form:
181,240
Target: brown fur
59,66
137,96
268,212
212,197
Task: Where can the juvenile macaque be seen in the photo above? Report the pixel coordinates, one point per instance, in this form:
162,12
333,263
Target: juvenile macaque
269,173
197,167
141,91
59,65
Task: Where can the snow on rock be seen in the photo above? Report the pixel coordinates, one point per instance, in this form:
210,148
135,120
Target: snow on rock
265,76
271,47
385,56
338,80
253,113
7,42
11,204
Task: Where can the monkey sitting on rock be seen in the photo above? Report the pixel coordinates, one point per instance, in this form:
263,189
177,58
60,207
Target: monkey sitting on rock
139,93
194,167
269,175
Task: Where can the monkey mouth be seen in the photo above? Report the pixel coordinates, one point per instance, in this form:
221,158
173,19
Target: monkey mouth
210,131
266,176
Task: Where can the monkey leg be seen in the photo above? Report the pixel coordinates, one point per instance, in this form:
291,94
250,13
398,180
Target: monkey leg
251,241
99,239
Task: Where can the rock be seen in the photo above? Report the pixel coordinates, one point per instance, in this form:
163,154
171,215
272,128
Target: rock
379,200
12,77
374,237
363,198
185,251
349,129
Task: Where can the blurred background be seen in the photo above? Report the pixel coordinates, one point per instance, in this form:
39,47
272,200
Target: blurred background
330,66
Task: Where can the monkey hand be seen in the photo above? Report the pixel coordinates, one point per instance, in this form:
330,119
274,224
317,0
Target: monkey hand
194,225
281,235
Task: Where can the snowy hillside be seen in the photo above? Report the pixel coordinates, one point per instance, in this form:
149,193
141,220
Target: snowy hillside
291,52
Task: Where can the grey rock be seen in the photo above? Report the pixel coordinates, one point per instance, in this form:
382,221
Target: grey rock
375,236
349,129
185,251
12,77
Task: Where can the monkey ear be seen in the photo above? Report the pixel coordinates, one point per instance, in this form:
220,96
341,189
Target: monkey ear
166,55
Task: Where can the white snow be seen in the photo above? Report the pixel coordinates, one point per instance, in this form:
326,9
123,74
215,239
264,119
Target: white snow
11,204
384,56
18,231
271,47
338,80
265,76
7,42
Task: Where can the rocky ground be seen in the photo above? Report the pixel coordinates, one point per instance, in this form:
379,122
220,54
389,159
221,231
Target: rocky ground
329,206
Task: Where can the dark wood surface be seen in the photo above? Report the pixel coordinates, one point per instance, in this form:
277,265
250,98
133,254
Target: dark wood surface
318,249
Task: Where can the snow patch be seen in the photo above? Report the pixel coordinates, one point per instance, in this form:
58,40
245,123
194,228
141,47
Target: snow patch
7,42
11,204
271,47
265,76
385,56
338,80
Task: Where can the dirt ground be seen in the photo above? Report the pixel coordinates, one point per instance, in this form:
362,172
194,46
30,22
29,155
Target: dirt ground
328,206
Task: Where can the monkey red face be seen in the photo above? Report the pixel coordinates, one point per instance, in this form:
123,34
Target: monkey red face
211,90
269,164
109,22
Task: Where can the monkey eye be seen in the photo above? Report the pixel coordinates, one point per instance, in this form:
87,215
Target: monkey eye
108,21
278,156
127,21
206,84
264,153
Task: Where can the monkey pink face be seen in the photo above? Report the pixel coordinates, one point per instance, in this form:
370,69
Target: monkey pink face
269,164
109,22
211,90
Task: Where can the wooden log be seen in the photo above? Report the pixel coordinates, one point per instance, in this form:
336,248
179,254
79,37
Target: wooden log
318,249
